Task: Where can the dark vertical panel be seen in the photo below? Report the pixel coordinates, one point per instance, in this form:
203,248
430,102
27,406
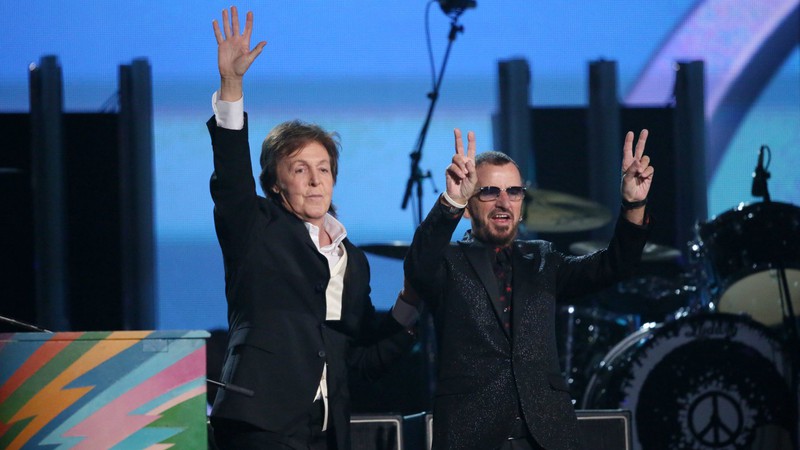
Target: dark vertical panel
512,128
46,101
136,194
604,140
690,147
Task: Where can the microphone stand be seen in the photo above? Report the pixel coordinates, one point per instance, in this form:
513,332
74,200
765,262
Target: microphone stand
760,188
793,338
416,177
794,345
23,325
415,180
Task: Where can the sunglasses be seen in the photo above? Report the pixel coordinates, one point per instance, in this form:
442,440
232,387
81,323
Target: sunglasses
489,193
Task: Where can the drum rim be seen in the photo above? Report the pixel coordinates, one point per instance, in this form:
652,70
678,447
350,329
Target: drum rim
743,208
770,337
648,331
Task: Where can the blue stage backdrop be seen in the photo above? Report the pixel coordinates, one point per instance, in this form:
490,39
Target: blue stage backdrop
361,68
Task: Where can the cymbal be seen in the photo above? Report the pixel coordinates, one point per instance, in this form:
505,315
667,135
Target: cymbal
651,252
394,249
556,212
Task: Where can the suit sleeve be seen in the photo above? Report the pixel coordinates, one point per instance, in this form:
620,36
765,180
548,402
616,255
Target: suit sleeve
584,274
380,343
232,188
377,350
424,264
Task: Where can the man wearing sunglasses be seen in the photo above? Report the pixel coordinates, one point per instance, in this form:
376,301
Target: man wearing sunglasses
493,298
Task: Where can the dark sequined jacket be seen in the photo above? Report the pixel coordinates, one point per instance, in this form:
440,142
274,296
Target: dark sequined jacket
484,378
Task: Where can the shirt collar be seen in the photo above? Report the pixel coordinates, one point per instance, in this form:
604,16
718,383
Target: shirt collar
333,227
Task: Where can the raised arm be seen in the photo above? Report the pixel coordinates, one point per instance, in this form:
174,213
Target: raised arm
232,185
234,55
422,265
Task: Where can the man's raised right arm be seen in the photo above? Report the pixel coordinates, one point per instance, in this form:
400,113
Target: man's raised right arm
232,184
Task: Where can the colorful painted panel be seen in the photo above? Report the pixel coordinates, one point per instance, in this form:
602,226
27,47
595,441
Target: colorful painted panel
103,390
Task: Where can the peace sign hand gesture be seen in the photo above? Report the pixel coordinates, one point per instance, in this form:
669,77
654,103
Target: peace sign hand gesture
461,176
637,176
637,173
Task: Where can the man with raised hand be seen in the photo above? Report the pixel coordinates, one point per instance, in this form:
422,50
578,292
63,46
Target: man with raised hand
299,307
494,297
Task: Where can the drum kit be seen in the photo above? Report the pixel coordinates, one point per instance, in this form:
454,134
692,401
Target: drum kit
701,358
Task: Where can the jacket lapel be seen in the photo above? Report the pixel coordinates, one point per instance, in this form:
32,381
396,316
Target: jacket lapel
523,266
300,232
350,272
478,258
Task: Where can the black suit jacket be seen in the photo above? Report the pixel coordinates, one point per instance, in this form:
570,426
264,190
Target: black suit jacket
485,377
275,283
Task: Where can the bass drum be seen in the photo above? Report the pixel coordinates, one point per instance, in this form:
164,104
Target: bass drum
741,250
704,382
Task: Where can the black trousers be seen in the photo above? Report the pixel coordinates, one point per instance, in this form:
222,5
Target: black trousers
307,434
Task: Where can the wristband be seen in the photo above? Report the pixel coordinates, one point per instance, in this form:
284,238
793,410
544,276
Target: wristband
452,202
626,205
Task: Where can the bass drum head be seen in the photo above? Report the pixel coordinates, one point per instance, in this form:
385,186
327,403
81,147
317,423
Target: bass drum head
758,295
705,382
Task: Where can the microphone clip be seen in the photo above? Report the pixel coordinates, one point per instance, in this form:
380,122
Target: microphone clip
761,175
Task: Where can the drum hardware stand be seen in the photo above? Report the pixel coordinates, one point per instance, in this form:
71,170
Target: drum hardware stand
703,301
760,189
569,342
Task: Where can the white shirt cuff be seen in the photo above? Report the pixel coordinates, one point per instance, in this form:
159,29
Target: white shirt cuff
405,314
229,115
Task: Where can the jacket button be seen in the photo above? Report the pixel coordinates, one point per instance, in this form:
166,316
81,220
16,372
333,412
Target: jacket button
321,353
320,287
